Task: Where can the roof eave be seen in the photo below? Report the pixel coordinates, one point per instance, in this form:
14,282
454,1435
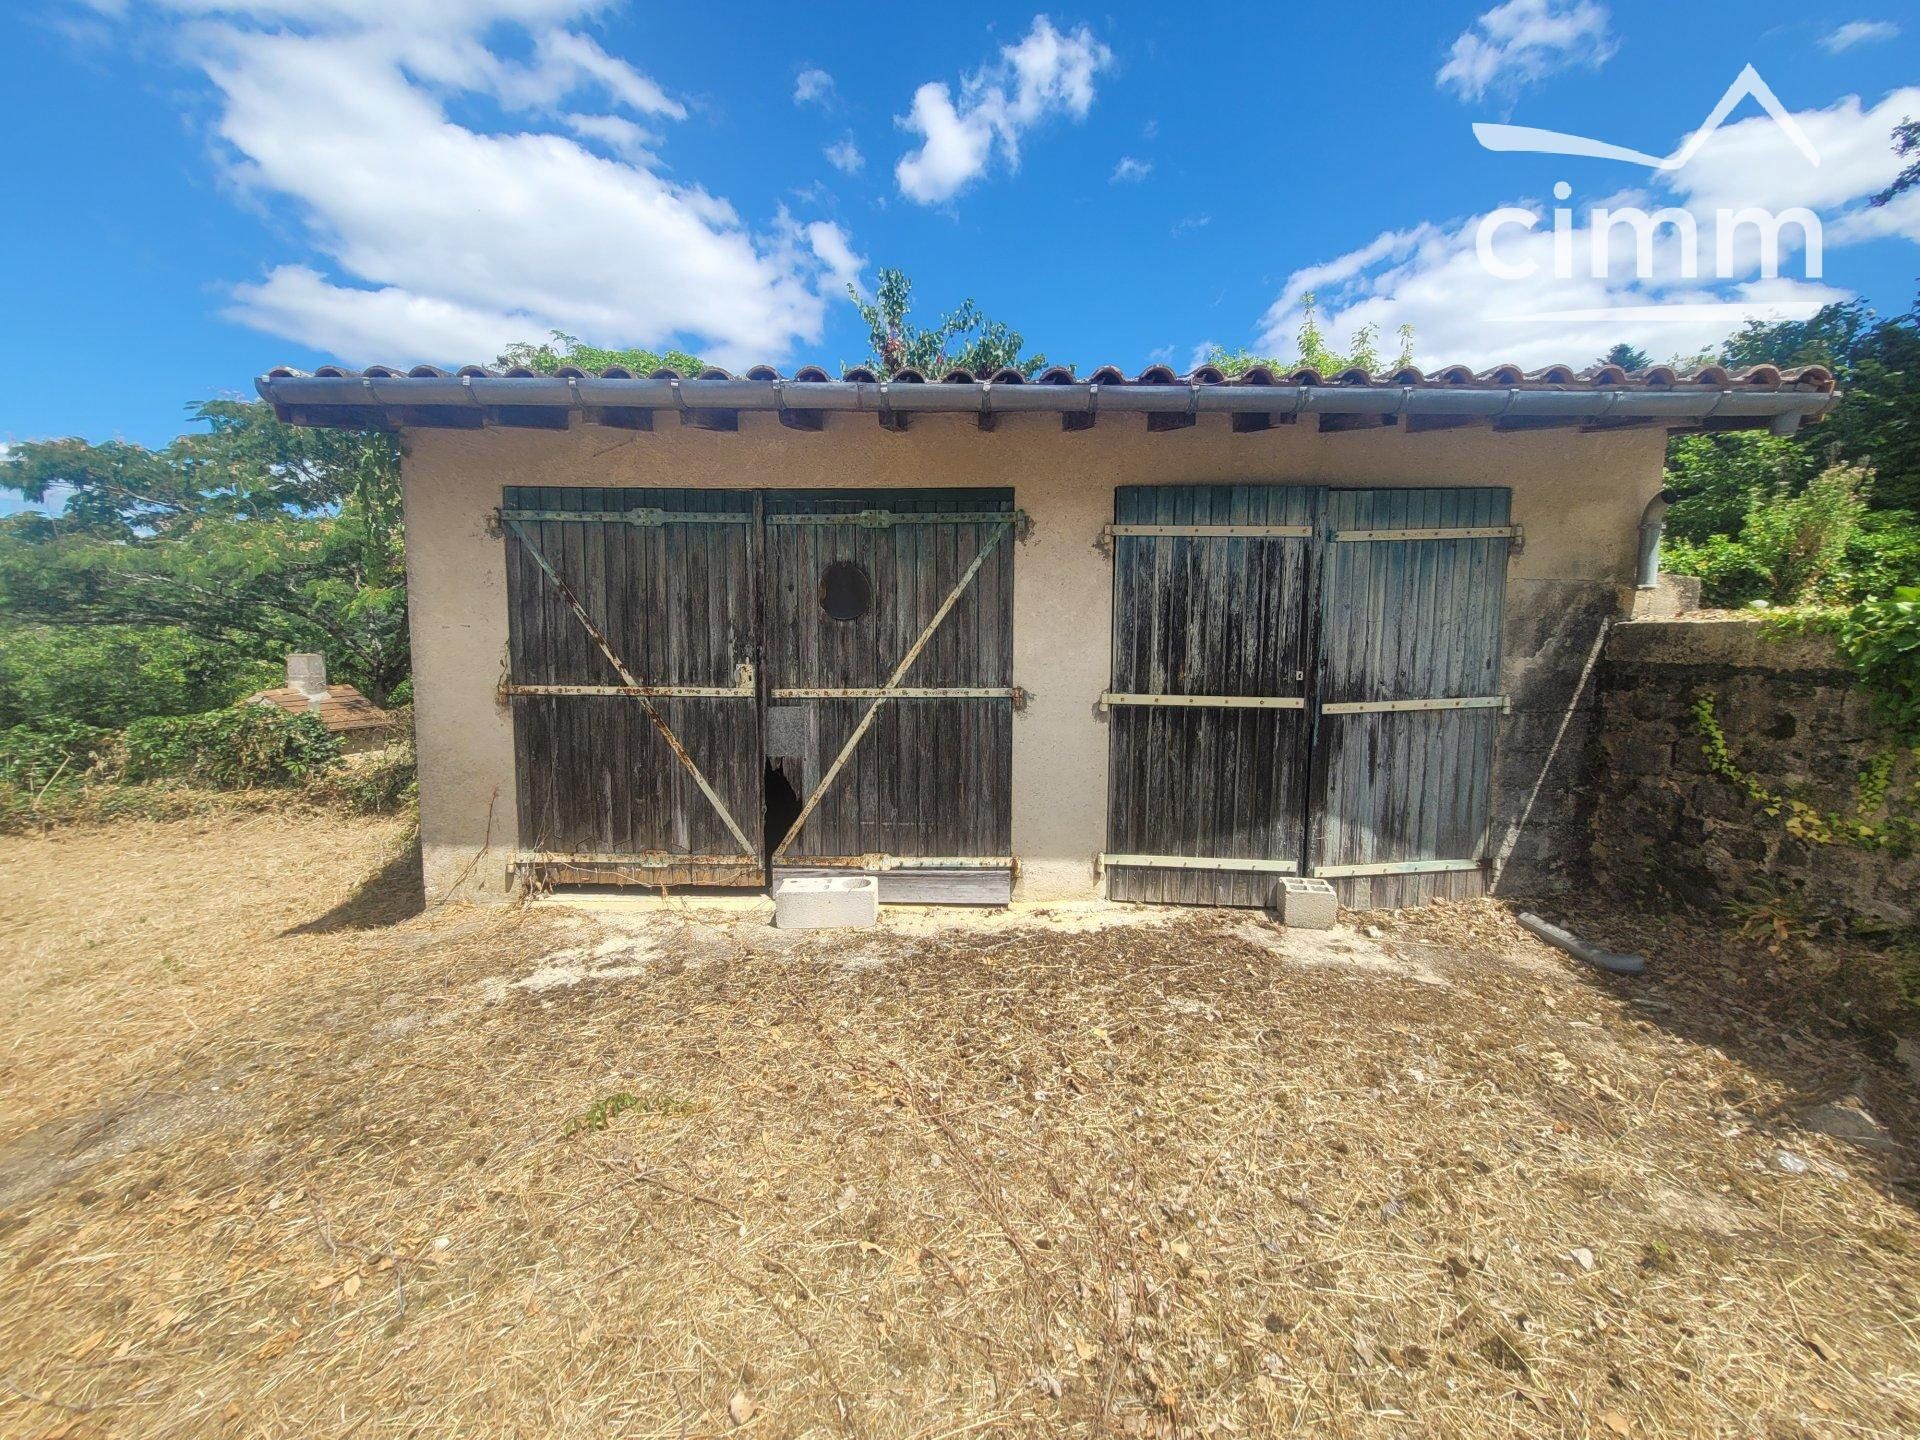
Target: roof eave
436,401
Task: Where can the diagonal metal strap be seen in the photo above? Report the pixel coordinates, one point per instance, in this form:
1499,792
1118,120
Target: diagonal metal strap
892,685
637,689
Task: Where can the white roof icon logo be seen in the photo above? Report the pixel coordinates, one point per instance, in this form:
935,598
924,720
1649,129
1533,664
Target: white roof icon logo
1525,138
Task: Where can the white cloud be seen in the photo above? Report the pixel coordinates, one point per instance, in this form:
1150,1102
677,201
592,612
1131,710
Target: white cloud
813,86
831,247
1430,275
1045,73
845,156
616,132
1858,32
1523,41
439,239
1130,169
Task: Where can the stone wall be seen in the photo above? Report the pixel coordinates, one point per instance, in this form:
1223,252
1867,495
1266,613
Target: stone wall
1664,823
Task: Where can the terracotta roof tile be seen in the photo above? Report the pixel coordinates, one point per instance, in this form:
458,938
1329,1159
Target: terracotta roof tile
1717,377
343,710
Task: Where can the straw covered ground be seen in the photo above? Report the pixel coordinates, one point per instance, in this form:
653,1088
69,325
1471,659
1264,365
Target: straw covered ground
281,1156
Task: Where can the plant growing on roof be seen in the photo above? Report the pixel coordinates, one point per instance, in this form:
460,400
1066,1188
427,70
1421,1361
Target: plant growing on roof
560,348
1315,353
964,339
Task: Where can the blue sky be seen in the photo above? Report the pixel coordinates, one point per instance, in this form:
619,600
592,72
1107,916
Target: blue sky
199,190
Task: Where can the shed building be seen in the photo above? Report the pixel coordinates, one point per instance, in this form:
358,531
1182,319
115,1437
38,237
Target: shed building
1162,638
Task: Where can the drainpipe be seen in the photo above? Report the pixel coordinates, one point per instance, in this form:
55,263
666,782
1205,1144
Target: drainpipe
1653,524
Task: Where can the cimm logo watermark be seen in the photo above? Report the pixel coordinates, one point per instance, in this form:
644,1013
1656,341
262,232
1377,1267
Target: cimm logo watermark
1743,242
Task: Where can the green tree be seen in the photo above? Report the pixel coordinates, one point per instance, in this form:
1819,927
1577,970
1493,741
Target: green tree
1906,142
561,349
1627,357
1829,338
964,339
251,535
1716,476
1314,353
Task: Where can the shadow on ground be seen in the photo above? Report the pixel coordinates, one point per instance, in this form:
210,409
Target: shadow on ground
1811,1014
388,896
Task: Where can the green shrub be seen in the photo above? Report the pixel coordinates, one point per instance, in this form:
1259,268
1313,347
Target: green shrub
232,749
1795,549
112,674
379,783
1729,575
1883,555
1881,638
33,757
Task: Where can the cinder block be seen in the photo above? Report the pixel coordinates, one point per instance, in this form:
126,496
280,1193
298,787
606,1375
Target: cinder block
826,902
1307,904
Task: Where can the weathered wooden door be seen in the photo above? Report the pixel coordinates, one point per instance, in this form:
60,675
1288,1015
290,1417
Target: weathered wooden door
632,625
1305,681
1408,694
1213,589
889,657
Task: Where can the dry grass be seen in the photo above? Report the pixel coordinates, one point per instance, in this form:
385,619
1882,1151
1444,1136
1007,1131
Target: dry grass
262,1175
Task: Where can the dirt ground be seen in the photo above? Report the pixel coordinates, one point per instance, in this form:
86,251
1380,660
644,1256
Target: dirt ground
280,1155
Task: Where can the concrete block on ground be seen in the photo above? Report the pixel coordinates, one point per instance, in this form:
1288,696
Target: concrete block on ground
826,902
1307,904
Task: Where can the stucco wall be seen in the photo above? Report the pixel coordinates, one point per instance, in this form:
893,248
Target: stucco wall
1578,497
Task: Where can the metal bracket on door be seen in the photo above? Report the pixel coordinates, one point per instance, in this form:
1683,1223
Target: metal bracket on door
1394,867
1110,533
1377,707
1217,702
1201,862
630,517
887,519
882,862
1513,534
874,692
741,689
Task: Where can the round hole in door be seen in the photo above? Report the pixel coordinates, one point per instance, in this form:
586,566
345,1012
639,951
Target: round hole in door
846,592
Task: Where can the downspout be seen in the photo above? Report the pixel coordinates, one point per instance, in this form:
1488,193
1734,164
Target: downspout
1653,524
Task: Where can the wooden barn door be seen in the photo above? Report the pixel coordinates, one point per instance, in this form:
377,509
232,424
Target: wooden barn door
1213,594
1408,697
889,656
632,624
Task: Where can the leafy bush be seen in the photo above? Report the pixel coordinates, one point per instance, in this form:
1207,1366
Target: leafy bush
379,783
1800,541
1884,554
1796,549
32,757
111,674
1715,478
232,749
1881,638
1729,575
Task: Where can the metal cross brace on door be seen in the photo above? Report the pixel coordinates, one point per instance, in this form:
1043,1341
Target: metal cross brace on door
632,687
891,689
